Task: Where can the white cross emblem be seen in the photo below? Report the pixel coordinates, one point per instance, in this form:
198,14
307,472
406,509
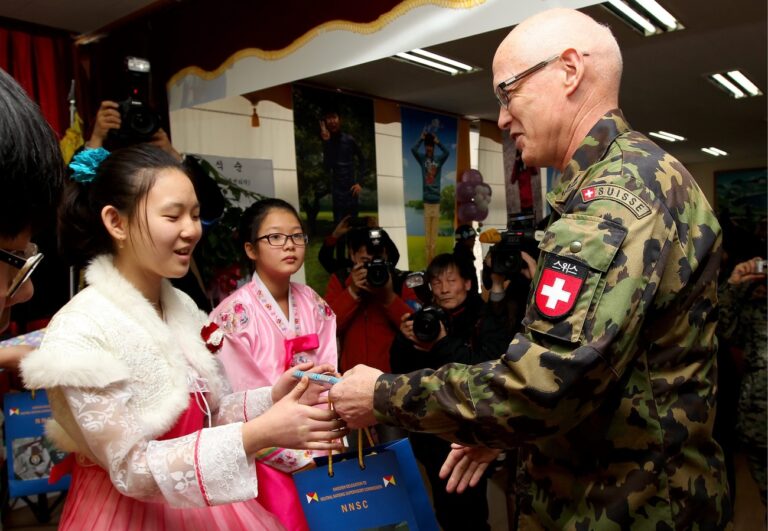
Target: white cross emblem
588,193
555,293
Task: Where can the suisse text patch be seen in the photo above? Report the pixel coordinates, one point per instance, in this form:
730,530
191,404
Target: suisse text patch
637,206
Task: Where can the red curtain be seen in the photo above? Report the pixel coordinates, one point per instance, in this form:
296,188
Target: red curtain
42,66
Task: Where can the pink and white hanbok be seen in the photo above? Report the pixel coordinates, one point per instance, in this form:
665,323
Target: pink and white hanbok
260,343
153,426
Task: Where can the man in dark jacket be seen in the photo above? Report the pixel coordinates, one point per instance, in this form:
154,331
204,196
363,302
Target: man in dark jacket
471,331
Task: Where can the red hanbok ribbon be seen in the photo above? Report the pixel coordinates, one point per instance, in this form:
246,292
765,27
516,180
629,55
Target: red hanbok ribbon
299,344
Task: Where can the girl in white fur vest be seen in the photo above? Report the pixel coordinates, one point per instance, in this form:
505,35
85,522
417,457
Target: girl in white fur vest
158,440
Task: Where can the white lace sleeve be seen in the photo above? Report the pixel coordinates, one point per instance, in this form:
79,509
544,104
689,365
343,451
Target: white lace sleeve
208,467
246,405
243,406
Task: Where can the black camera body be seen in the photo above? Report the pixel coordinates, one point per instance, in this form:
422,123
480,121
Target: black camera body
505,255
378,271
138,121
426,323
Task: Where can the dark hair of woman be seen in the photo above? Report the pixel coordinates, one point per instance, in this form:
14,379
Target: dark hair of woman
122,180
250,222
31,167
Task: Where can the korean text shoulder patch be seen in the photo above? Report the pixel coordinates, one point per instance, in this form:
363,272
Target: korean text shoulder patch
637,206
559,286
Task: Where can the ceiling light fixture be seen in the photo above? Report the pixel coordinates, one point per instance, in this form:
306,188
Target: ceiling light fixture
645,16
660,14
441,59
723,82
744,82
714,152
434,61
669,137
735,83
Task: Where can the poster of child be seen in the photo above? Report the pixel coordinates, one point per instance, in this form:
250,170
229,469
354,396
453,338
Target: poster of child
335,166
429,174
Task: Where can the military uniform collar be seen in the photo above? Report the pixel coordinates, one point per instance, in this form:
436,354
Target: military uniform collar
591,150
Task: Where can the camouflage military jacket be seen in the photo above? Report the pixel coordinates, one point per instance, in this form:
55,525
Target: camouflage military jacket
610,392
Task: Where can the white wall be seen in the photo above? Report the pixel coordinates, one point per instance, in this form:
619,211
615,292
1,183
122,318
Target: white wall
224,128
389,182
490,164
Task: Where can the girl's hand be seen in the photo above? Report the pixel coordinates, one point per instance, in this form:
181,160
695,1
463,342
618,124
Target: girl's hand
288,381
290,424
10,357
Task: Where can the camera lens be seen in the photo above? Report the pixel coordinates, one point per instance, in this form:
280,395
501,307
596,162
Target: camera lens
378,273
143,122
426,325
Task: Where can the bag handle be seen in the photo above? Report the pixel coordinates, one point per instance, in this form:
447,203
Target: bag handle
359,446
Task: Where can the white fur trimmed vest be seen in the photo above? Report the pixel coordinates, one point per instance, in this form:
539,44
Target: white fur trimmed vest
109,334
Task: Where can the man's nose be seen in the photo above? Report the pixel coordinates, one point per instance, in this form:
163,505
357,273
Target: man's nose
505,118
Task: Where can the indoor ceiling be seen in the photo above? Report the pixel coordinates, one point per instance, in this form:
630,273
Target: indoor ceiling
77,16
664,85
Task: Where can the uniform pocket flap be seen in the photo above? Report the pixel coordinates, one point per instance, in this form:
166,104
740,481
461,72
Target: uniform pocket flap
587,239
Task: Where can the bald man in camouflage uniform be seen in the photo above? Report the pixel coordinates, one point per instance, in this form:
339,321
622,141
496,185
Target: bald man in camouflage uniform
610,392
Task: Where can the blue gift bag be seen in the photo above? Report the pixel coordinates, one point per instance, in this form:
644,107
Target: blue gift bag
388,493
30,454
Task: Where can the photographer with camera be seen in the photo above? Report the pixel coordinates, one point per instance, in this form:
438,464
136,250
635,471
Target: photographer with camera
458,327
367,299
334,253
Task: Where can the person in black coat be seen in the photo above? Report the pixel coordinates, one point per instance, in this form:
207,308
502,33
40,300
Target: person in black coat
471,331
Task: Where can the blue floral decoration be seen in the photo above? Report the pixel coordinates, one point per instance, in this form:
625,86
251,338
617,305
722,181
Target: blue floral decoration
84,164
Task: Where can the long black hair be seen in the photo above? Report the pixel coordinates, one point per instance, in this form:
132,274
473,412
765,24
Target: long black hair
31,167
122,180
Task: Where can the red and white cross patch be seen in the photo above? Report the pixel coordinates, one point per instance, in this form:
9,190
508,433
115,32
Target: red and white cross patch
588,194
559,286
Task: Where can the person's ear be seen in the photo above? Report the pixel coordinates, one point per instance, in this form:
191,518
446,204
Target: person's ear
573,67
250,251
467,285
115,223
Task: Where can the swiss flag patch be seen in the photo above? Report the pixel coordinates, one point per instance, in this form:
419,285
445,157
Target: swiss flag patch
559,286
588,194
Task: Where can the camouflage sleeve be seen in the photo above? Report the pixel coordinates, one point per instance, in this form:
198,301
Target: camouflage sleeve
602,264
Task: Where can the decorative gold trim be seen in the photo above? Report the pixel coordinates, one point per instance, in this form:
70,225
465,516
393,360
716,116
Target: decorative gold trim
332,25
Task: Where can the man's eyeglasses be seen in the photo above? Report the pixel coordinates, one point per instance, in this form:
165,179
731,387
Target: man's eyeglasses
502,89
276,239
25,261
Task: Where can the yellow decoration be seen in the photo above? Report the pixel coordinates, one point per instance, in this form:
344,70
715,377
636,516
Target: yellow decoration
332,25
72,140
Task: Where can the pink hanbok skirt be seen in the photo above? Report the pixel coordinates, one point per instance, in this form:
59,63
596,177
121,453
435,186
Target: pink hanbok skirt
93,503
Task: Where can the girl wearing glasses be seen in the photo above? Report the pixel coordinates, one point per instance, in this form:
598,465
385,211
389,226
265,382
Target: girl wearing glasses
159,440
271,324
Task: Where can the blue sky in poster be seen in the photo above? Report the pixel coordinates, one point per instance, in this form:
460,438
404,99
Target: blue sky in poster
413,123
